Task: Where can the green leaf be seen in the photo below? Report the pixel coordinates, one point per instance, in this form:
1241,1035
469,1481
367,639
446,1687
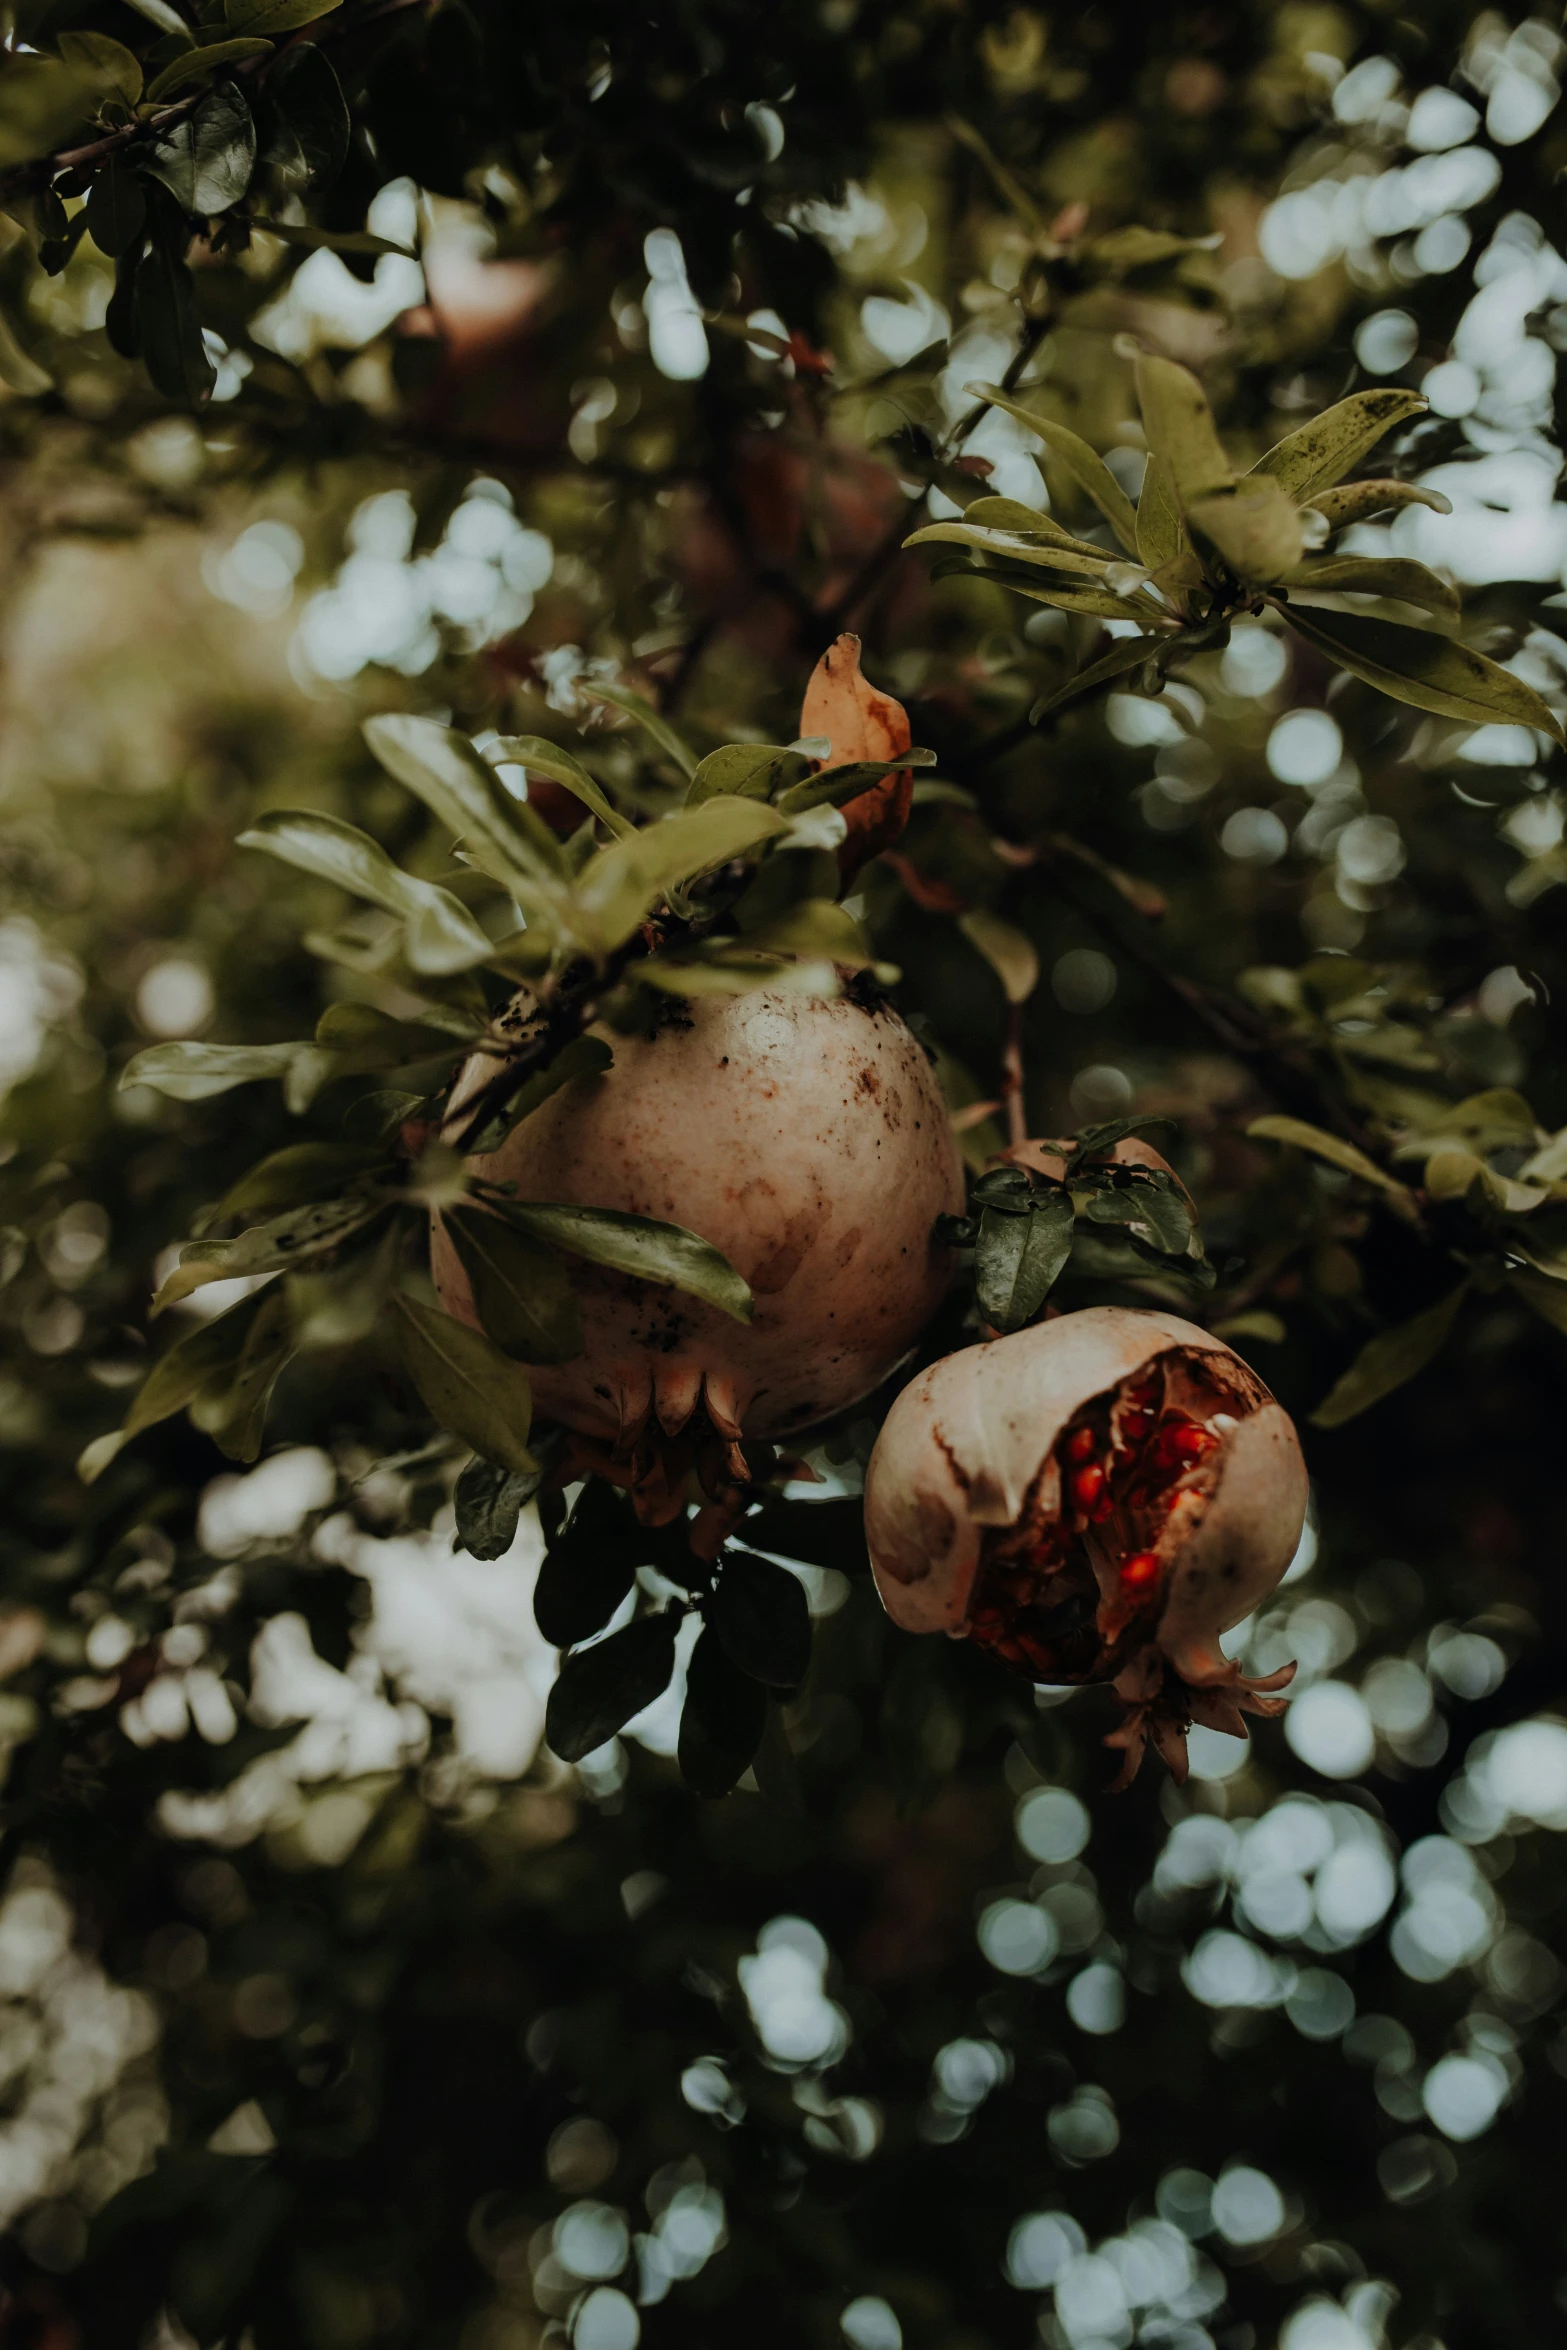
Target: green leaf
1255,528
235,1415
275,16
1155,1206
1358,499
521,1292
331,240
721,1722
292,1178
1011,514
189,1072
1159,534
361,1039
159,12
1087,469
585,1056
198,65
1322,452
1431,672
170,330
1320,1145
746,771
441,935
666,1254
1017,1259
1044,554
1180,428
1367,575
1011,956
204,1357
832,786
1389,1360
116,208
815,927
600,1688
467,1384
1128,652
489,1501
538,757
621,697
589,1568
442,768
621,884
759,1612
290,1239
1094,603
109,61
308,133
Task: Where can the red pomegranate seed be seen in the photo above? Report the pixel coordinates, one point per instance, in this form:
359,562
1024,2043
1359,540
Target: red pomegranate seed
1080,1445
1087,1485
1141,1567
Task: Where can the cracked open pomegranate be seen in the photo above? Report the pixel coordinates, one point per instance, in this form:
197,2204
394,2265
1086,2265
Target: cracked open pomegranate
1096,1498
808,1141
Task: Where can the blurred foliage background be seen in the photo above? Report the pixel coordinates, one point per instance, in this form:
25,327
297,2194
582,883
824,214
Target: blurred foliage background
528,349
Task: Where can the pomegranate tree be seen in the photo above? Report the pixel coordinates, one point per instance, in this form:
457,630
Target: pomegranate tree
1096,1498
807,1141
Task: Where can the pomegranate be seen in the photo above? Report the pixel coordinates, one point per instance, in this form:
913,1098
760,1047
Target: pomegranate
1096,1498
809,1142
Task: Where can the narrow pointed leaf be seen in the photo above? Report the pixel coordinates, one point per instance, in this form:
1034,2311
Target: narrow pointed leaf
601,1688
198,65
585,1056
203,1357
1160,538
287,1240
1128,652
1051,555
1329,1147
1374,575
833,786
1431,672
662,733
467,1384
1389,1360
538,757
666,1254
1095,603
192,1072
521,1292
275,16
1333,444
1180,428
1358,499
1027,521
1086,467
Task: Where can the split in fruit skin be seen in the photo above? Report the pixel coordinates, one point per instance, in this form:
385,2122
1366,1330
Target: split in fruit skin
1073,1590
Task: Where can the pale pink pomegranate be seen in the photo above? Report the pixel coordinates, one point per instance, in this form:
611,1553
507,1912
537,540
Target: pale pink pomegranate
809,1142
1097,1498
